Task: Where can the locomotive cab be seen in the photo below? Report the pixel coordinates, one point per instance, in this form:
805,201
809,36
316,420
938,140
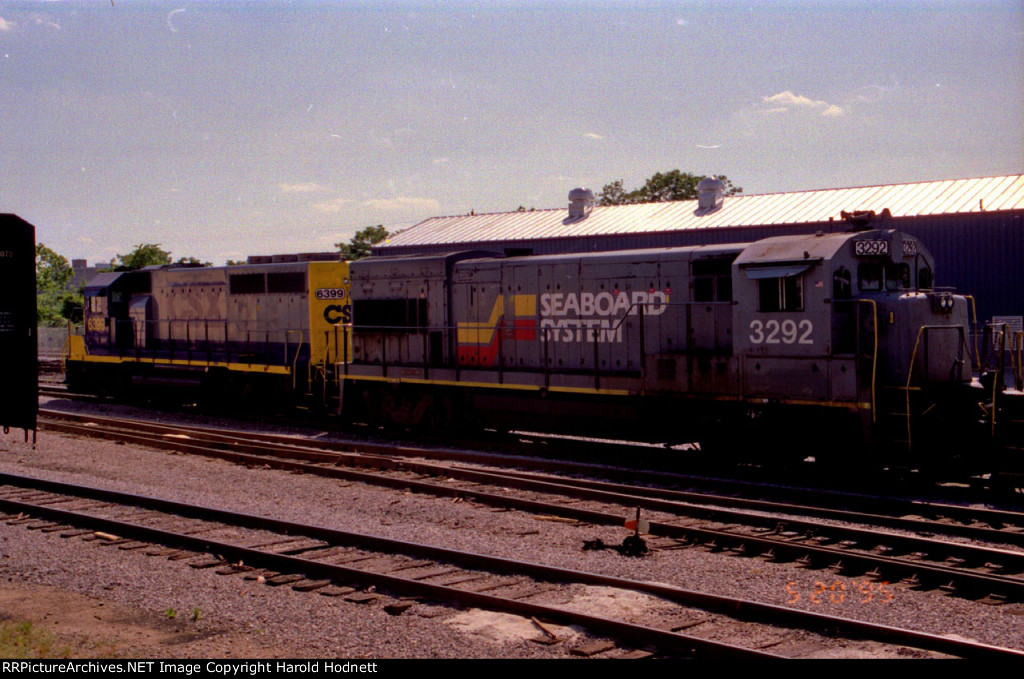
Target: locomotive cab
850,322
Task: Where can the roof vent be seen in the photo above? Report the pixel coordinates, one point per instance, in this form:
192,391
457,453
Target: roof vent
581,202
710,193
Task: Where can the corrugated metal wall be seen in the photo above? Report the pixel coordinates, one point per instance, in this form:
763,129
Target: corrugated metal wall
978,254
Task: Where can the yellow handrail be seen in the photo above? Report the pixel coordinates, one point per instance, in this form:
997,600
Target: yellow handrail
874,355
974,314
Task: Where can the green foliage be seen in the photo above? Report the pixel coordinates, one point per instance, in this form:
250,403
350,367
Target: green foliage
144,254
55,304
659,188
192,261
24,640
360,245
53,272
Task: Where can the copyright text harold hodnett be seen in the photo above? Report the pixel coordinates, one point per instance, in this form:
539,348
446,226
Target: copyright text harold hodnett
217,668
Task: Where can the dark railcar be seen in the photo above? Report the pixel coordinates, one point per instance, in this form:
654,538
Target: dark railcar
19,399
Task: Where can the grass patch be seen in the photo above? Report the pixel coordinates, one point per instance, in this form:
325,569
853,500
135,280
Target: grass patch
25,640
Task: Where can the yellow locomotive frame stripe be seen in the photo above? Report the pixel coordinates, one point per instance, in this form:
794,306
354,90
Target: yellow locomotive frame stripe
589,390
485,385
239,367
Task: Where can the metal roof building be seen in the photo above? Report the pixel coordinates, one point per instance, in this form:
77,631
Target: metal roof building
972,226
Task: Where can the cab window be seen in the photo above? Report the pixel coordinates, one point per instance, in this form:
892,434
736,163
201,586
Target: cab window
781,294
924,278
897,276
842,283
869,277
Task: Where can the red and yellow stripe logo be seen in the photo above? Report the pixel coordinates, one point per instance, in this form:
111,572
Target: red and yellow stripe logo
479,343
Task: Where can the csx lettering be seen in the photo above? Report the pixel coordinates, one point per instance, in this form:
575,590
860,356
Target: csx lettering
602,303
785,332
336,313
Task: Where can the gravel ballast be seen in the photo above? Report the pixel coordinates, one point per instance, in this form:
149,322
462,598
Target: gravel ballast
285,622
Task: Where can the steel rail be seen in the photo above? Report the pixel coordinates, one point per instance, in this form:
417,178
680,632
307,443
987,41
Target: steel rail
366,449
734,607
901,522
963,581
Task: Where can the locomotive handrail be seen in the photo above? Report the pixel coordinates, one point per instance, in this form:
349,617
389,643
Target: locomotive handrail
148,341
974,314
298,350
999,372
922,332
500,327
1017,346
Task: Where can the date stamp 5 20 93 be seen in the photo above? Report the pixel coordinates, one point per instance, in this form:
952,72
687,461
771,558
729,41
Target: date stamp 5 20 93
838,592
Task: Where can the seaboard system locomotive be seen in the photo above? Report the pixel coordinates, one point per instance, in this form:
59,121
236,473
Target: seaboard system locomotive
793,345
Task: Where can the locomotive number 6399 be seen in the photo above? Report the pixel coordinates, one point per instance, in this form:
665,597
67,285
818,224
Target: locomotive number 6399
330,293
781,332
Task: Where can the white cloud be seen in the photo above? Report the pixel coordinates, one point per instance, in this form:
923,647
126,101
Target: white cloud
402,203
438,161
40,21
307,187
783,102
333,206
169,15
592,135
6,26
787,98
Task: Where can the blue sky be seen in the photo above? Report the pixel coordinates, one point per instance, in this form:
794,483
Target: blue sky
222,129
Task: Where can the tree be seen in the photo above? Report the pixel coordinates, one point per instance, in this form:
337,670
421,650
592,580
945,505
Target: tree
360,245
144,254
55,304
192,261
659,188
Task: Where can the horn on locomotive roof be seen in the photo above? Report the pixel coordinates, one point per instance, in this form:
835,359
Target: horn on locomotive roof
864,220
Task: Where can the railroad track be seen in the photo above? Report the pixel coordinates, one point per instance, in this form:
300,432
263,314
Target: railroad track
991,574
315,559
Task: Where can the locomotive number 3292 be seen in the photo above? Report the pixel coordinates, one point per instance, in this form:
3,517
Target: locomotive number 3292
784,332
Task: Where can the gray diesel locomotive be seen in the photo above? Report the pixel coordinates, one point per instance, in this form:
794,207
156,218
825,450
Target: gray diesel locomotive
811,344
